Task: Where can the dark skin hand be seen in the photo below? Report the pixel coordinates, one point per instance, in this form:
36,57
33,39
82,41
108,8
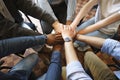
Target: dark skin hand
53,39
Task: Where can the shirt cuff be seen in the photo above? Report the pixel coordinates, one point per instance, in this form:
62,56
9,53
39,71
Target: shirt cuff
41,40
111,47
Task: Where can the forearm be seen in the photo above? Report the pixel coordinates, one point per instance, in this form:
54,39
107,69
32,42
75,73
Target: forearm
18,44
94,41
70,52
100,24
54,67
86,8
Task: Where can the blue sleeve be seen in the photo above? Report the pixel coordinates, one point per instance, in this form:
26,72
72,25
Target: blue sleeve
54,70
18,44
111,47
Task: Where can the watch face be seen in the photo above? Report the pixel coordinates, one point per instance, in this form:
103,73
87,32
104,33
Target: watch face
67,39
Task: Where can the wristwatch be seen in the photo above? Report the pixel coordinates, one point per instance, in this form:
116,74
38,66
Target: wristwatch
67,39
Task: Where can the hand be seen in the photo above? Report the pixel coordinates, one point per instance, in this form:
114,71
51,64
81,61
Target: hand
68,22
58,27
68,32
53,39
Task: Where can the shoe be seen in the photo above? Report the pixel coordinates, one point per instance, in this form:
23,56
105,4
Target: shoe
83,48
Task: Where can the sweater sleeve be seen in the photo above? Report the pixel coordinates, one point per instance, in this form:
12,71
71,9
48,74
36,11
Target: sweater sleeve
13,45
32,9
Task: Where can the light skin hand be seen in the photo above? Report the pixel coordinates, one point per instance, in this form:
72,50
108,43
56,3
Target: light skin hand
68,32
58,27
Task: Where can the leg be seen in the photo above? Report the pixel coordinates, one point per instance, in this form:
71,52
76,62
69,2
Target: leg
24,68
98,69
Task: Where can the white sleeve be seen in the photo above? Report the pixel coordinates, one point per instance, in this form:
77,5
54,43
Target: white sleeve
75,71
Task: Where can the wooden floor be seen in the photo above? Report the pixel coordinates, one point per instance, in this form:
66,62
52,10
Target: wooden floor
41,67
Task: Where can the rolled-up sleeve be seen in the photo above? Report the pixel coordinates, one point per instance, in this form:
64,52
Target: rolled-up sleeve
75,71
111,47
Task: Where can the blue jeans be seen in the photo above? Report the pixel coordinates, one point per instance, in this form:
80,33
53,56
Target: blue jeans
94,33
23,69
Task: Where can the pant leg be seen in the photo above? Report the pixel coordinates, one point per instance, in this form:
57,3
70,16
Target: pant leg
25,66
97,67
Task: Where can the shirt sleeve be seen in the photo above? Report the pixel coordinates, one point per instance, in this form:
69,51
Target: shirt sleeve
55,68
14,45
31,8
111,47
71,8
75,71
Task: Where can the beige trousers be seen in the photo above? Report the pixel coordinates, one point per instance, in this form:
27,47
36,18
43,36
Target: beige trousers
98,69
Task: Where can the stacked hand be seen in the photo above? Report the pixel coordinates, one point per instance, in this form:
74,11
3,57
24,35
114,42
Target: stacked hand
53,39
68,32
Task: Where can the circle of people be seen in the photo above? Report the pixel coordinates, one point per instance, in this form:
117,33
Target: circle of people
70,30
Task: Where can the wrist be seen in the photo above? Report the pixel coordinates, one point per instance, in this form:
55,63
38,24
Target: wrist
67,39
55,24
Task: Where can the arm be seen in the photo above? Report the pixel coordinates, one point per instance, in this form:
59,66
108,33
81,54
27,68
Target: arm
55,67
14,45
86,8
71,7
74,68
94,41
107,46
30,8
100,24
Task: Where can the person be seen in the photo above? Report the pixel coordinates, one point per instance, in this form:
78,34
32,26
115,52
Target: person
96,66
23,69
104,24
74,68
10,18
61,10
